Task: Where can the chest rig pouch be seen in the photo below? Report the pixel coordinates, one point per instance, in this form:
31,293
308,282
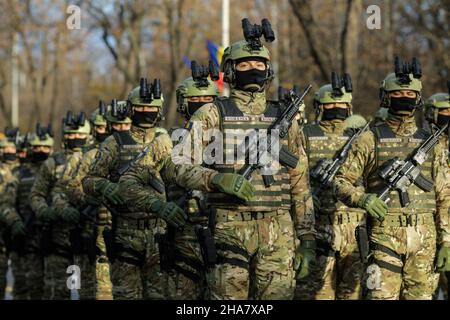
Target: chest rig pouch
388,146
237,126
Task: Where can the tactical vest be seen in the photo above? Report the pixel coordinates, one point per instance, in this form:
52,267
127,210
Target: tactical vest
321,145
129,149
272,198
388,146
27,176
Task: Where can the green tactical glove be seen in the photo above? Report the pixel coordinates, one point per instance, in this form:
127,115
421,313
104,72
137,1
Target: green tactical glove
169,212
70,215
305,254
92,201
50,214
18,229
376,207
112,194
234,184
443,259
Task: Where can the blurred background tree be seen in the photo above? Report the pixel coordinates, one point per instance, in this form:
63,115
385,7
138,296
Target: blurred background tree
60,69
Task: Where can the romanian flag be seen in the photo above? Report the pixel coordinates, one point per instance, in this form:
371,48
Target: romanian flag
215,53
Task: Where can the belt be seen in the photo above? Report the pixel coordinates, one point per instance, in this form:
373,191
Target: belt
247,216
139,224
341,218
410,220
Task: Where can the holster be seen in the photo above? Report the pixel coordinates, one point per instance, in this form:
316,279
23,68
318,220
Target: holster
362,237
207,245
166,249
89,242
108,236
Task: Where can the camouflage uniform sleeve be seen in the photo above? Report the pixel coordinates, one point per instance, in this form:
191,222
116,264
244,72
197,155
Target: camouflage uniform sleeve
99,171
8,198
60,198
40,191
359,163
302,204
441,172
185,170
75,193
135,183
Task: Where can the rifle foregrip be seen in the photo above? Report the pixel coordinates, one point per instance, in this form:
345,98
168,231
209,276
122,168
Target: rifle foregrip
287,158
423,183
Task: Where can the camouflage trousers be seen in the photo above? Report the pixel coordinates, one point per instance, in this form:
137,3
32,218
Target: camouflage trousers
56,277
19,270
103,290
3,271
87,277
136,272
337,272
402,262
28,271
187,279
255,259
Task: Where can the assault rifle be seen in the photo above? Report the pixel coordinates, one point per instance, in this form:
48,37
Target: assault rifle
400,174
326,169
282,124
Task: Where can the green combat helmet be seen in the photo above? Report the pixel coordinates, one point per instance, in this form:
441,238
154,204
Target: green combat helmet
147,95
197,86
251,47
118,112
339,91
12,138
406,77
42,137
72,124
435,103
355,121
98,116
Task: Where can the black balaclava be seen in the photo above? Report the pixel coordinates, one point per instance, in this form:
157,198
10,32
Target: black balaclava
251,80
39,156
100,137
335,113
442,120
144,118
193,106
76,143
400,106
9,156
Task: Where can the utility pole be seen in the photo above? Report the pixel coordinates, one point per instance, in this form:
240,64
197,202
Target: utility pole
15,83
225,35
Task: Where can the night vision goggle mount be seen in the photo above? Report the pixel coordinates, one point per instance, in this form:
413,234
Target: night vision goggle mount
42,132
253,33
74,122
200,73
285,95
403,69
338,82
13,135
149,92
119,111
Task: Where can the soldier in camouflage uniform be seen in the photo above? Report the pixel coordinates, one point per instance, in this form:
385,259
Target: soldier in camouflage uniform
84,232
102,217
338,270
255,240
8,166
131,247
26,257
403,239
45,195
187,274
437,111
